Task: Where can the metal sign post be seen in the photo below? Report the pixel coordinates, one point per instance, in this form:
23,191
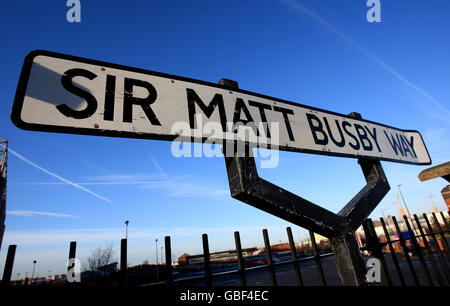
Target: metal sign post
68,94
248,187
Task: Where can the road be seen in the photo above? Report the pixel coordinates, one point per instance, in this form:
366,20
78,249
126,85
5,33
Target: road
285,274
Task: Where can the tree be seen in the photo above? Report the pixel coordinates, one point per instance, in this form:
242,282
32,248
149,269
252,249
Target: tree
99,257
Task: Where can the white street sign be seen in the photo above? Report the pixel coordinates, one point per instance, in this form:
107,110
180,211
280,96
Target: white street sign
67,94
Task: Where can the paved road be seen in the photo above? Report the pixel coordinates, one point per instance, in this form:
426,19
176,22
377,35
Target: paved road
285,274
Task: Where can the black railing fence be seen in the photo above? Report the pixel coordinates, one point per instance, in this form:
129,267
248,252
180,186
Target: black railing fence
414,252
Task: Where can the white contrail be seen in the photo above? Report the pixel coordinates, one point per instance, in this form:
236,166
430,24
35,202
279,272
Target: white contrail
161,171
301,8
95,183
33,213
57,176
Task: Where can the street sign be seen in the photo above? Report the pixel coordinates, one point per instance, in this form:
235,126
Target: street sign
68,94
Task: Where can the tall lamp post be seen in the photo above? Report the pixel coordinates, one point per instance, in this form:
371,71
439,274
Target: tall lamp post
156,251
403,199
157,272
407,210
32,275
126,229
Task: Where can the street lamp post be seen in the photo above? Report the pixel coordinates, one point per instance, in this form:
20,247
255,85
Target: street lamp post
126,229
403,199
156,251
32,275
407,210
157,272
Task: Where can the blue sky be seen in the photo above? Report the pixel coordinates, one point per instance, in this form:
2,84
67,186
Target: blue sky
321,53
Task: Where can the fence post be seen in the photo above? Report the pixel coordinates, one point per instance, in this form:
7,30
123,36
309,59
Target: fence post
269,258
430,253
294,256
246,186
405,251
441,232
72,251
7,271
123,263
207,260
416,246
241,261
376,248
391,249
168,248
340,256
349,263
438,249
445,220
72,255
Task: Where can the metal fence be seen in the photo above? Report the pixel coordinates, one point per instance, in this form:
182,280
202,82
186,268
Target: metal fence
242,269
417,244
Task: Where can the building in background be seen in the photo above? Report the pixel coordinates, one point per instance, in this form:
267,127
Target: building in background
446,195
443,171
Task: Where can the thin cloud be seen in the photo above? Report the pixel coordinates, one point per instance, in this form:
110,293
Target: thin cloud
370,55
123,177
66,181
32,213
94,183
85,235
161,171
184,187
50,245
176,186
189,189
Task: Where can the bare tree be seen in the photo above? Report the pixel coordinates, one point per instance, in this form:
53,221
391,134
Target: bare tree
99,257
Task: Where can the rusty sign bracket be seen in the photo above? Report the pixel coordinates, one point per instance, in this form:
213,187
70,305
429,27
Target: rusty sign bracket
246,186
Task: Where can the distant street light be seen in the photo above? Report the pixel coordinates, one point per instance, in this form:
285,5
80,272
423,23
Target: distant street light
156,251
432,205
126,229
32,275
162,255
403,199
406,207
157,272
